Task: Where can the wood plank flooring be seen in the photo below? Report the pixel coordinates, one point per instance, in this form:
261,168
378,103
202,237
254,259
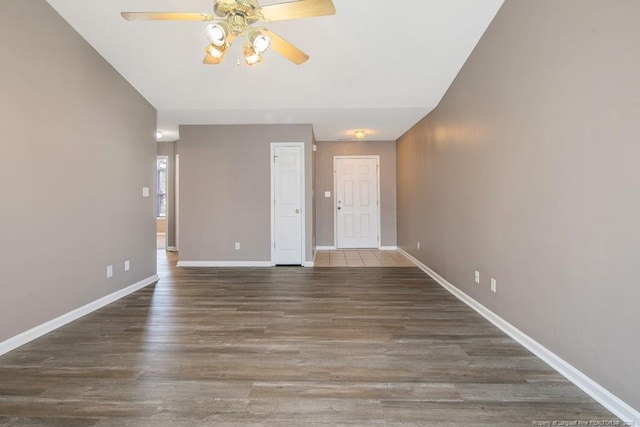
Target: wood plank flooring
284,347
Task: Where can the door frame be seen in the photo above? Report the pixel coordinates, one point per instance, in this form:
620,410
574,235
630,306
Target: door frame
177,203
335,194
303,199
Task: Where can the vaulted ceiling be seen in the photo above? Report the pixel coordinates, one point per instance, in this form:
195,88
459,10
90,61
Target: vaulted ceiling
375,65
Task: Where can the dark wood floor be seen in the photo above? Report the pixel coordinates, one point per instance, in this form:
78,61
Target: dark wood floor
284,346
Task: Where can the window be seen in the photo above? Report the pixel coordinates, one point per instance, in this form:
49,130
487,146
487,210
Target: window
161,187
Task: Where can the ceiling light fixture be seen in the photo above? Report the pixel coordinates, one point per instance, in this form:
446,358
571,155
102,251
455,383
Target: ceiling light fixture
260,42
215,51
232,19
159,134
251,57
359,134
217,33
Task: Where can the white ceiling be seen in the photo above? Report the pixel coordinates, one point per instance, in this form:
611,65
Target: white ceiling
375,65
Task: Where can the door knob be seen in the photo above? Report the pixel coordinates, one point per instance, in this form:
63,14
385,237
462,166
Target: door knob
339,208
297,210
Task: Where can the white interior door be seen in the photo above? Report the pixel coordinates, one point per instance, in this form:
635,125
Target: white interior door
287,193
357,204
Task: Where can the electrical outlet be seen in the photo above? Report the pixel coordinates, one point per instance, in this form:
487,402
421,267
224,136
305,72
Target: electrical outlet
127,266
477,277
493,285
418,245
237,246
109,271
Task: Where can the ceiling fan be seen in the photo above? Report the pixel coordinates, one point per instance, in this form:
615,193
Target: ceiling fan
234,19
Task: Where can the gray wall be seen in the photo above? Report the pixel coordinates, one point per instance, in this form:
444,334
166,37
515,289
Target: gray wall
528,172
225,190
169,149
324,176
78,146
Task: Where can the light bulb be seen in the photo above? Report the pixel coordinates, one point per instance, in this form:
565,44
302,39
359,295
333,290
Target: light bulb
214,51
261,43
251,57
216,33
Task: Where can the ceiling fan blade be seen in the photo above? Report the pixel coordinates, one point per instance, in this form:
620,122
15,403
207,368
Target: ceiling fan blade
166,16
298,9
285,48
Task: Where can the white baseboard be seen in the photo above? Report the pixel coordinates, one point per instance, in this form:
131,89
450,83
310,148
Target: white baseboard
388,248
38,331
225,264
308,264
607,399
326,248
172,249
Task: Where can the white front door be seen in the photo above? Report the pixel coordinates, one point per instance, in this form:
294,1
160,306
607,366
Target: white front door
287,199
357,204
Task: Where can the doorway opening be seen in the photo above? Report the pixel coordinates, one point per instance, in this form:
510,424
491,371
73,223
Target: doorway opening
161,201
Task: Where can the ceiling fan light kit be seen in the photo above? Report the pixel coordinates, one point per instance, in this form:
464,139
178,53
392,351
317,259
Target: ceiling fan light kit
215,51
217,33
233,19
260,42
251,57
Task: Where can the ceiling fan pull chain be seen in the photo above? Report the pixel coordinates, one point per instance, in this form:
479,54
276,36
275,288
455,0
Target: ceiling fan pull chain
239,51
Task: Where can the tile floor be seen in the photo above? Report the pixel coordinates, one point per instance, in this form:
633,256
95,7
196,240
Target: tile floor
361,258
161,242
